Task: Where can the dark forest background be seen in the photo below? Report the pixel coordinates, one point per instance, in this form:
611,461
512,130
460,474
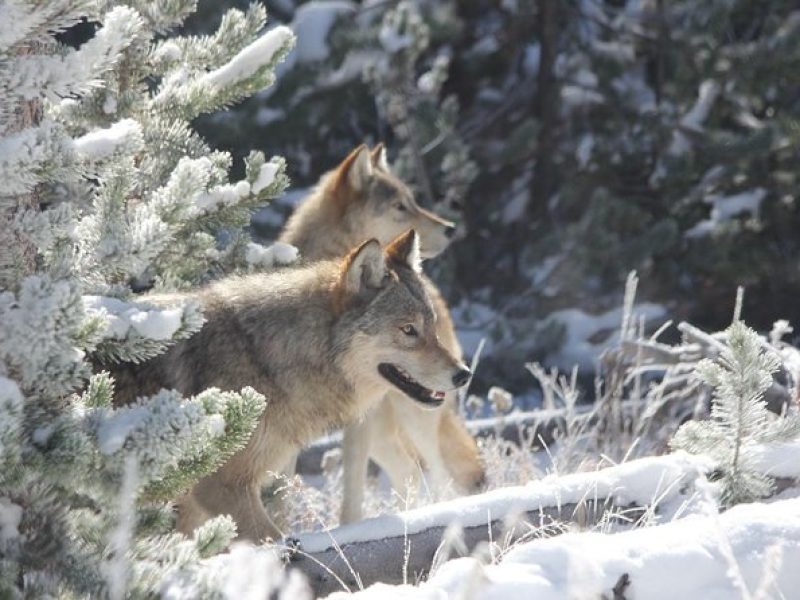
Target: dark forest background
572,140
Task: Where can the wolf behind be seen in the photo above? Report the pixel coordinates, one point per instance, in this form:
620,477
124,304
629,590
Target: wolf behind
322,342
359,199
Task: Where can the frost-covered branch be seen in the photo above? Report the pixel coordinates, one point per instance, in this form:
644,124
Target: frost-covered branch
247,72
75,71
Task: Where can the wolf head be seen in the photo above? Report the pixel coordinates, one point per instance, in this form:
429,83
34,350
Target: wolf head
386,329
376,204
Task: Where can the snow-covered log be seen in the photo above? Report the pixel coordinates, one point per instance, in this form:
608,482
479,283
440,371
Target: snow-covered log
750,551
403,547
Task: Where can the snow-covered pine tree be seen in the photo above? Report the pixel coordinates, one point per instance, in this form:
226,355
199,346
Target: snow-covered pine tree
739,418
107,190
431,156
388,73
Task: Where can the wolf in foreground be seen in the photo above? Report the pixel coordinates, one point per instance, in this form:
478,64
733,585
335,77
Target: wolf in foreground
360,199
322,342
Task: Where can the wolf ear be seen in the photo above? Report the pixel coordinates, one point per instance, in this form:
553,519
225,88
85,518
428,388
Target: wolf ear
378,157
404,249
363,270
355,171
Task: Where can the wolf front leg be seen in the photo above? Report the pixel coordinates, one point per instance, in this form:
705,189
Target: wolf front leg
393,451
421,427
355,455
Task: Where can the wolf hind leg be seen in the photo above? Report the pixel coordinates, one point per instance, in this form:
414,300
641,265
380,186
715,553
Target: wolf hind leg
273,492
191,514
242,501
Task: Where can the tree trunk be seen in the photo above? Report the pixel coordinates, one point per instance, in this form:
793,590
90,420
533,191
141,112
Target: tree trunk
17,254
546,105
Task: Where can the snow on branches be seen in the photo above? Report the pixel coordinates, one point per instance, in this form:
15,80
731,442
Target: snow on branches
108,193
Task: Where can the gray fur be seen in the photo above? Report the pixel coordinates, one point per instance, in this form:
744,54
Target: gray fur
292,336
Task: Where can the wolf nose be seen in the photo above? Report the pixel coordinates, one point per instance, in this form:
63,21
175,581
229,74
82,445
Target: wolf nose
461,377
449,230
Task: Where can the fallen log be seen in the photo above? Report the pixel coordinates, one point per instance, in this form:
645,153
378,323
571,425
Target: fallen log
403,547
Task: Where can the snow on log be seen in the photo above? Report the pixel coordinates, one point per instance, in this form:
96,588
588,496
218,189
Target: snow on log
752,550
374,549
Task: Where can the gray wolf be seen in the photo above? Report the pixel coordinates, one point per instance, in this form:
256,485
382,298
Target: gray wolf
359,199
323,342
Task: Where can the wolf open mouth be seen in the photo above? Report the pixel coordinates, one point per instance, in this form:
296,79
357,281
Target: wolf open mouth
409,386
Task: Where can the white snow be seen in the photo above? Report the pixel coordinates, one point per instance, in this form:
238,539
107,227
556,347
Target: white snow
713,557
519,197
697,115
531,59
10,394
168,51
474,321
251,58
392,40
41,435
115,429
121,317
633,90
216,425
583,153
266,115
10,516
617,51
697,557
312,23
666,478
242,188
581,330
724,208
157,324
778,459
102,143
246,572
485,45
351,68
220,196
266,175
427,82
279,253
693,120
574,97
110,104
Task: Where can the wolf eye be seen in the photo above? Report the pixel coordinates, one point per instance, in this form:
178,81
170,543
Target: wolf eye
400,206
409,330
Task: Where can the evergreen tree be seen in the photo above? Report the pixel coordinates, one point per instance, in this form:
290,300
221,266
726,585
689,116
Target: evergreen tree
648,135
739,415
108,191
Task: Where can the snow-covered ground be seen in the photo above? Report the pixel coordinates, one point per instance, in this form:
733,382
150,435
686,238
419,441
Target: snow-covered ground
680,546
750,551
664,480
